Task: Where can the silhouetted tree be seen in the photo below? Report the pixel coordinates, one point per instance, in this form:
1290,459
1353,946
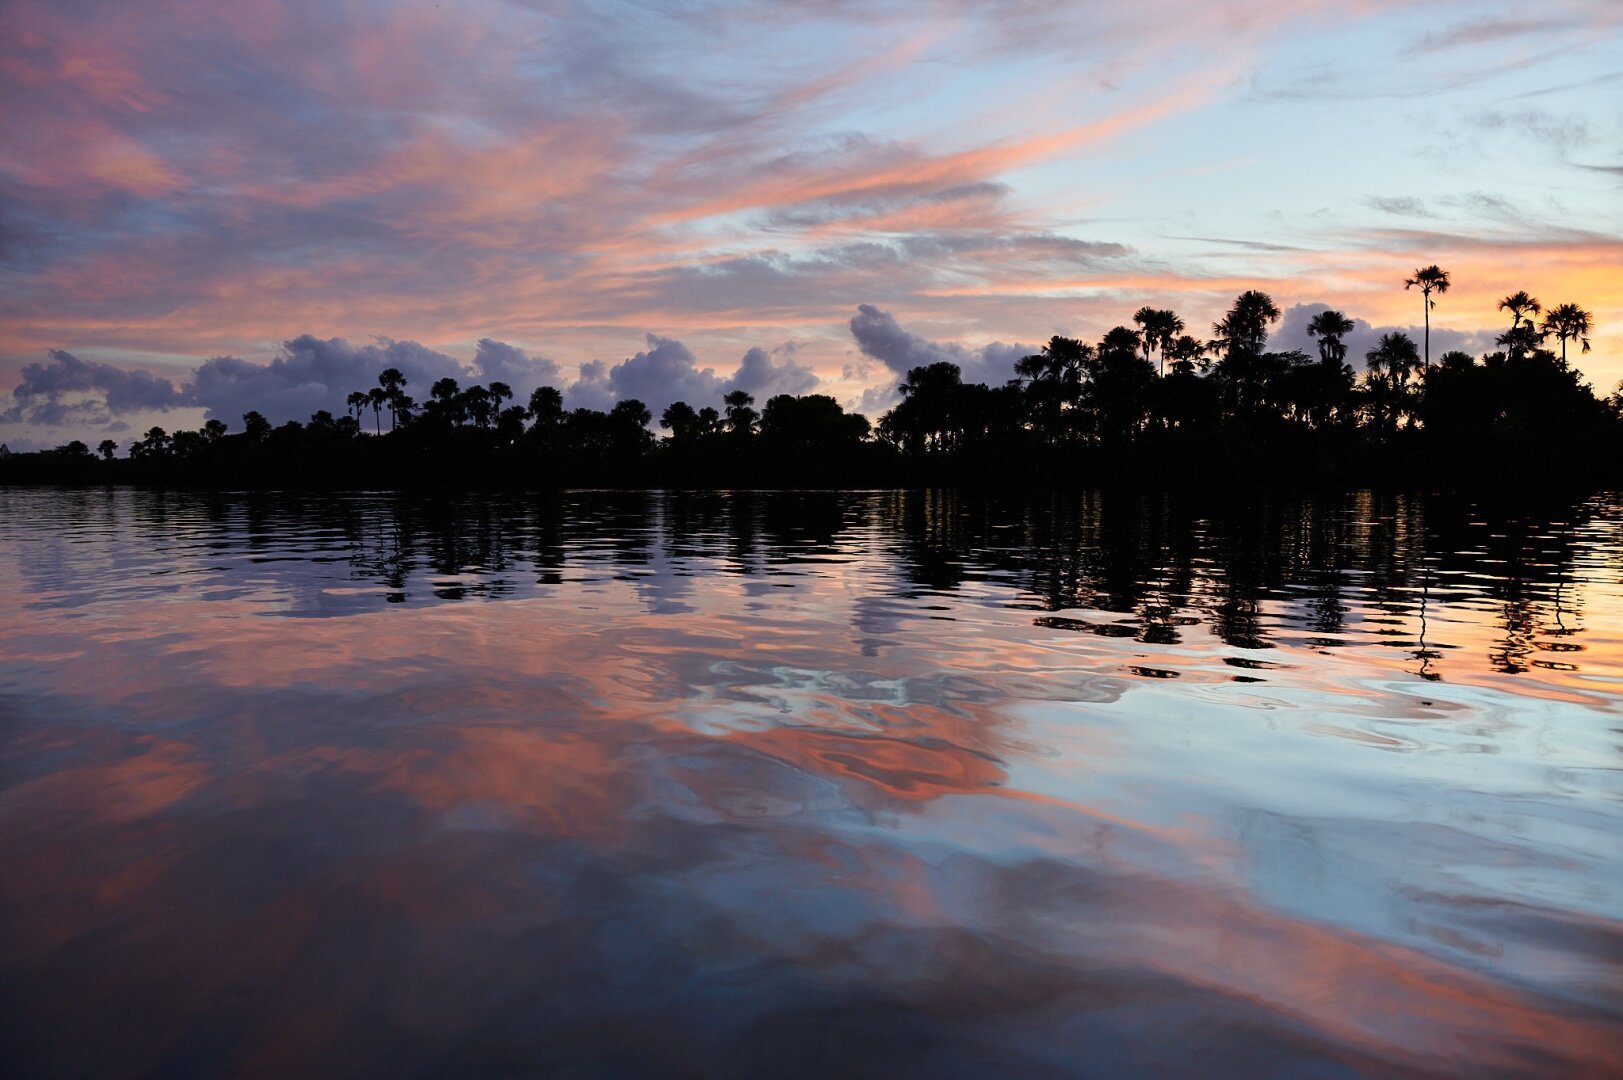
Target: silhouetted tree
1054,379
1158,329
1391,362
1521,306
1328,327
741,416
1188,354
815,422
680,419
1241,339
1568,322
546,405
377,397
475,403
500,392
255,426
392,382
1429,280
107,448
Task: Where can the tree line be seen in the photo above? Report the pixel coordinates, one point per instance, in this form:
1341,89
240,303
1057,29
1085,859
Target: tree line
1147,400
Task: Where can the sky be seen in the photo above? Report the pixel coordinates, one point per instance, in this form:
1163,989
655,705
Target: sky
206,209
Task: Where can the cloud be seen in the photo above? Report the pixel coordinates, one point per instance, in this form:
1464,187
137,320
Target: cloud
667,371
591,390
664,372
40,393
1484,32
881,337
1291,333
1406,205
764,374
310,374
1563,133
497,361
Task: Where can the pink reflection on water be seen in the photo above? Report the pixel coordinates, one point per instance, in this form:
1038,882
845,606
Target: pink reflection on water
567,820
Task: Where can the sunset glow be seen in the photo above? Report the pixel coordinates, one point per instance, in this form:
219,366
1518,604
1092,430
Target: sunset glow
520,190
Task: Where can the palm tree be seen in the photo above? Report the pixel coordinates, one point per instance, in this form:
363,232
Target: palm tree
377,398
1569,322
546,406
475,401
255,426
499,392
393,383
1160,326
682,420
107,448
1521,306
1391,362
357,402
1055,378
1328,327
1430,279
1245,328
1187,353
740,416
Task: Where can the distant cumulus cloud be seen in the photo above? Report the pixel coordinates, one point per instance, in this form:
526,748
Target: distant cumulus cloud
307,374
40,396
591,390
667,371
497,361
664,372
1292,334
765,374
881,337
312,373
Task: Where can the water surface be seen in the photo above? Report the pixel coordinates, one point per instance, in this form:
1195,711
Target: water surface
775,783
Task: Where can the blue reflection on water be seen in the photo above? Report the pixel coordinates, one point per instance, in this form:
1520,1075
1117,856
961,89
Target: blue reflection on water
809,782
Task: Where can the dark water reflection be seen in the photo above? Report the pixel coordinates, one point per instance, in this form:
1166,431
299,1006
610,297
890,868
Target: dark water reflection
873,783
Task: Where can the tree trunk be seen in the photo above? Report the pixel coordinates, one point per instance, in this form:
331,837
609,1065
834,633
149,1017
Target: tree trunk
1426,299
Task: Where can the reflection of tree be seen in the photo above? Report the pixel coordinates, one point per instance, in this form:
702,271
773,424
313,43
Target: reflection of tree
1339,568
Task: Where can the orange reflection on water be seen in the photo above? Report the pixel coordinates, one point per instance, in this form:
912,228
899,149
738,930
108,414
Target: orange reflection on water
649,807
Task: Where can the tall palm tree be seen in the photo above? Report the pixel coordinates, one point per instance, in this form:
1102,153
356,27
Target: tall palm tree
1328,327
377,398
392,382
1430,279
1569,322
357,401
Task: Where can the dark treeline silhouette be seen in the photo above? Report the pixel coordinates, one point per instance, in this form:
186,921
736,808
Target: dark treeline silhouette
1147,402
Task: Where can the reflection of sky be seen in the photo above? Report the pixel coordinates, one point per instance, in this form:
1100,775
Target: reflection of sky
567,178
602,814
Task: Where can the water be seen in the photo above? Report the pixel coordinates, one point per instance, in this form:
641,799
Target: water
791,784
